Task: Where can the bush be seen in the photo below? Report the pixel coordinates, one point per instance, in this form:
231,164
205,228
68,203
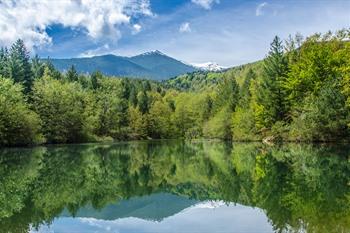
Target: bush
323,117
219,126
65,110
243,125
18,124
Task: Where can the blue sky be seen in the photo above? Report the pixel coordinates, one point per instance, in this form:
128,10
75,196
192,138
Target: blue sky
229,32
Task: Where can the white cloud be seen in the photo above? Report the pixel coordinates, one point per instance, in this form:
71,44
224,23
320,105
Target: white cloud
259,9
29,19
96,52
206,4
185,27
136,28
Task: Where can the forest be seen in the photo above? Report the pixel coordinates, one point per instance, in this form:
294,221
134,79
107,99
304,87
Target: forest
299,92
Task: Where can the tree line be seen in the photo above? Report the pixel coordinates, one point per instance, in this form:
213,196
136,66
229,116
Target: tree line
300,91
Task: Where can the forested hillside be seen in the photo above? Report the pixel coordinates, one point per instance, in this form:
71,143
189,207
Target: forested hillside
200,80
300,91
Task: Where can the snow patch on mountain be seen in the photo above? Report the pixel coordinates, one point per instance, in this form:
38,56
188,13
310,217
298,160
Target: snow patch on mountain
208,66
153,52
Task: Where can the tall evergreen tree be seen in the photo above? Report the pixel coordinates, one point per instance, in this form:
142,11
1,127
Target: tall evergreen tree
272,94
95,77
229,93
52,71
18,65
142,98
3,62
244,92
133,96
72,74
37,67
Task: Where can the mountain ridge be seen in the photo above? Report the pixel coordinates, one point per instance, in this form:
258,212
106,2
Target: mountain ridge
152,65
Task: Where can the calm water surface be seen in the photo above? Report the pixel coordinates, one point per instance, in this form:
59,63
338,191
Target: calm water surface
175,186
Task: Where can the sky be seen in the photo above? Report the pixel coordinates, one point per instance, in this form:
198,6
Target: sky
228,32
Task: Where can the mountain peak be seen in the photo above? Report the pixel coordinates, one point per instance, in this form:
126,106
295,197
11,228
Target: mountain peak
153,52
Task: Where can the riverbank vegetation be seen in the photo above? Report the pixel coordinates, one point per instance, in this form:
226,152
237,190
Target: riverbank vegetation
300,92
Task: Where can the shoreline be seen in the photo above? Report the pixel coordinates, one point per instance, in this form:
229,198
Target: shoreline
108,142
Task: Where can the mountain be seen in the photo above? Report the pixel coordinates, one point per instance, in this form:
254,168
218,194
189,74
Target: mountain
209,66
153,65
161,64
153,207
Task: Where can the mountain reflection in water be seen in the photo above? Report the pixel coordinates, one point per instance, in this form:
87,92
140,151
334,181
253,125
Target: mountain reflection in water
175,186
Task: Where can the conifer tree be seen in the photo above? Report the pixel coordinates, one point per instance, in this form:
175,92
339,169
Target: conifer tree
95,77
72,74
3,62
272,94
142,98
37,67
18,65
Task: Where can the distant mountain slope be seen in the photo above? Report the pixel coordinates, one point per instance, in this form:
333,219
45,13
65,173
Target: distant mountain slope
108,64
154,207
161,64
153,65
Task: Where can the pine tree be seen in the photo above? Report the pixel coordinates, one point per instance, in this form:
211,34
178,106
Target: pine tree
133,96
37,67
229,93
72,74
3,62
244,92
95,77
142,98
18,65
272,95
53,72
147,86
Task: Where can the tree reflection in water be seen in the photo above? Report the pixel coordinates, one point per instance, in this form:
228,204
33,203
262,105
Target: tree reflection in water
299,187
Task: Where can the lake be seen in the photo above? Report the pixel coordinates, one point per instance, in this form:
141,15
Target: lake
175,186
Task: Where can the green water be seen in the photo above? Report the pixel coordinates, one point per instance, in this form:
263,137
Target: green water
175,186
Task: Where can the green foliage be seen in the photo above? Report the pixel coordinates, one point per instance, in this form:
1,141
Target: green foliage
111,109
160,125
300,188
51,71
96,78
301,95
65,110
37,67
243,125
324,117
184,117
18,65
18,124
300,91
137,123
219,126
227,93
143,101
272,94
3,62
72,74
195,81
